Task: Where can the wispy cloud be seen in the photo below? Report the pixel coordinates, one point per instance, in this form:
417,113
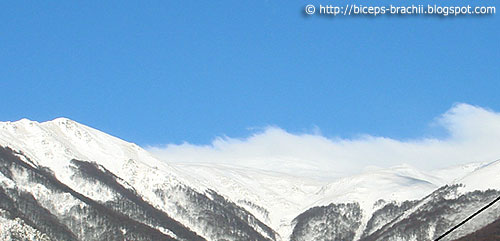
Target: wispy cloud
473,135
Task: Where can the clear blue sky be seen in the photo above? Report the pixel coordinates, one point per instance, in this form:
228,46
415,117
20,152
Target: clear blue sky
156,72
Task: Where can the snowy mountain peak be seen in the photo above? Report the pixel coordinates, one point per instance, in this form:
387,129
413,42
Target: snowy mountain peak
482,178
69,168
55,143
63,137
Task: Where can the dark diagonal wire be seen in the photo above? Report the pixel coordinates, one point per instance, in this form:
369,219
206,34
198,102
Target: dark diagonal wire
467,219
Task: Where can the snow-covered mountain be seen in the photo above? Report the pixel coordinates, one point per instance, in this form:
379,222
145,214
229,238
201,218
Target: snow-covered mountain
94,186
62,180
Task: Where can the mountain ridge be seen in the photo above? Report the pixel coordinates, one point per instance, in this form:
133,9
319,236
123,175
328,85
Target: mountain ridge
265,205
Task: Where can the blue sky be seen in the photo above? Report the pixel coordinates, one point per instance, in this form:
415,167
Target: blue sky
167,72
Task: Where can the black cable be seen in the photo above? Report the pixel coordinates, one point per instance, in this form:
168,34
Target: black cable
467,219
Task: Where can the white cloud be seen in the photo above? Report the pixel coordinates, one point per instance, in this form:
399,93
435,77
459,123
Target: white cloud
473,135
